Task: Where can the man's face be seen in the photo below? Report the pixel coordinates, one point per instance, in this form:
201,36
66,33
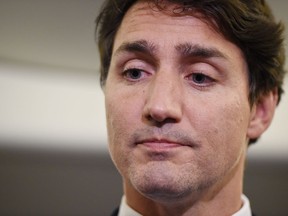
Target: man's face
177,104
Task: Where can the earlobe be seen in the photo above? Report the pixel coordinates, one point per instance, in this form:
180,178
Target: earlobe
262,114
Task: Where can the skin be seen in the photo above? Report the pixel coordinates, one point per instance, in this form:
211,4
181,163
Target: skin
178,114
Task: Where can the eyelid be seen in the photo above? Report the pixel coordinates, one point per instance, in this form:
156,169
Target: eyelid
132,67
200,67
136,64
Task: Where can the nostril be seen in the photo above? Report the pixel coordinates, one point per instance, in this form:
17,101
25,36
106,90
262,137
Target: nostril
159,120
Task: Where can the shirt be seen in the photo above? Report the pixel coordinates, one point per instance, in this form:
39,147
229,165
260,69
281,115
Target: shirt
126,210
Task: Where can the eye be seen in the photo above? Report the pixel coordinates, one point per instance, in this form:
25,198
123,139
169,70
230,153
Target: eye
199,78
134,74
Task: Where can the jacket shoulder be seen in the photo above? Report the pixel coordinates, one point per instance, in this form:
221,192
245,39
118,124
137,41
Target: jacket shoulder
115,212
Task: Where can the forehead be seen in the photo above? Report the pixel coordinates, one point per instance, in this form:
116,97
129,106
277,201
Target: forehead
168,24
164,10
165,17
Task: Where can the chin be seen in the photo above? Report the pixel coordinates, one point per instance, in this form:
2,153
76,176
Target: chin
165,194
160,184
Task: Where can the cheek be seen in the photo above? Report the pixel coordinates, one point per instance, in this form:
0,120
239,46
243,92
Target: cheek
123,106
122,118
223,137
115,128
224,125
121,113
116,118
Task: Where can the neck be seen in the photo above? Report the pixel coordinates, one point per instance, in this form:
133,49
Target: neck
223,198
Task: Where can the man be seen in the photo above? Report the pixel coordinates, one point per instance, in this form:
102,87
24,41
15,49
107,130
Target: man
188,86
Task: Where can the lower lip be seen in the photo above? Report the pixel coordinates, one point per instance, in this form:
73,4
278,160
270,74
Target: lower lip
161,145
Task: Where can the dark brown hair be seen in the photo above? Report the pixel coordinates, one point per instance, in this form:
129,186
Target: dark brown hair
247,23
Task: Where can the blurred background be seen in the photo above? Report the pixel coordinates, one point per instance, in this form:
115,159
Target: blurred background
53,153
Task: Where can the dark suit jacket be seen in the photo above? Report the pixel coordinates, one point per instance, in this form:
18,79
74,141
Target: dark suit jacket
115,212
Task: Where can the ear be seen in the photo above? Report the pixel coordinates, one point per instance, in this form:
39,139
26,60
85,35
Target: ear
262,114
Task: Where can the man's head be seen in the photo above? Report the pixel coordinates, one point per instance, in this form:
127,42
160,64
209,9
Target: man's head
185,91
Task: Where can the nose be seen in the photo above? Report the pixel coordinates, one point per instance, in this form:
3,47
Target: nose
163,100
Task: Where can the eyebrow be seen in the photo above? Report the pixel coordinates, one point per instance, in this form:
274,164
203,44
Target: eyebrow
187,50
140,46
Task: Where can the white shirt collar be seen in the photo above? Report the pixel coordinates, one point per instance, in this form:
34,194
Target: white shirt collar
245,209
126,210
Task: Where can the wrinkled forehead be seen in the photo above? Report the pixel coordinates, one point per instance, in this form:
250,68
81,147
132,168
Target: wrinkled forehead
171,8
168,26
166,7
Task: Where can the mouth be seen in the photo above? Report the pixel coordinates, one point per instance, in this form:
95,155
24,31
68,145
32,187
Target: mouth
160,144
